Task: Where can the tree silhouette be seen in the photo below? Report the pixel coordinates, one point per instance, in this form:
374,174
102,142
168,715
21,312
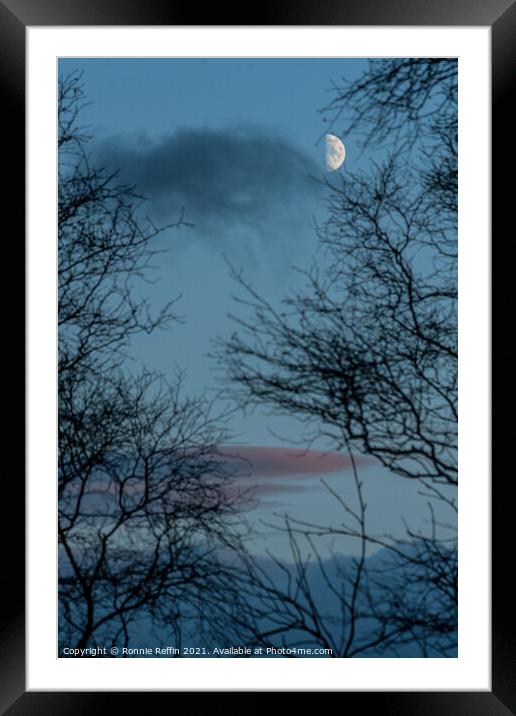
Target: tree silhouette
400,601
145,505
366,355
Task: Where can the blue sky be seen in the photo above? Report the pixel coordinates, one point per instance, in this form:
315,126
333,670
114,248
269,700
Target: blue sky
237,144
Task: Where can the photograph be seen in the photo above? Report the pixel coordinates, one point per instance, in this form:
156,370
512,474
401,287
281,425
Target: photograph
257,357
258,354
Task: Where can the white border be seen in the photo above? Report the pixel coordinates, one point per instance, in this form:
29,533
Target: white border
471,671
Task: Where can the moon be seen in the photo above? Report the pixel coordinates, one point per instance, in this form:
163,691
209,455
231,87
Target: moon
335,152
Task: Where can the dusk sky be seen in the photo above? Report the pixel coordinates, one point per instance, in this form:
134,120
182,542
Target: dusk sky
237,143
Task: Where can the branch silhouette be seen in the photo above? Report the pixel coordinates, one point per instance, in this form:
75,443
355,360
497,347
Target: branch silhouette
366,356
144,504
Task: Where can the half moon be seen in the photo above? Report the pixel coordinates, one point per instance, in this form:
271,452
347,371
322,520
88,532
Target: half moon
335,152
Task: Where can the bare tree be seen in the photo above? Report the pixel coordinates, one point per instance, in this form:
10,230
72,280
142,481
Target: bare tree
400,600
370,347
145,505
366,355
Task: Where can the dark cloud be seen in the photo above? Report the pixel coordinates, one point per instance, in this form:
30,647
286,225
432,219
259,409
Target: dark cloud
222,178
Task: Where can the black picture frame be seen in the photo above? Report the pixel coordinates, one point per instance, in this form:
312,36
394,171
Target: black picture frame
15,17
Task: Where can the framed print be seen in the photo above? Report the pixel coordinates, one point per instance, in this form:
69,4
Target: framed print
258,355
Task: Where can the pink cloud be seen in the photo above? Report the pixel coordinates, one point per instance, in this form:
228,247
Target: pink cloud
263,472
252,461
260,473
